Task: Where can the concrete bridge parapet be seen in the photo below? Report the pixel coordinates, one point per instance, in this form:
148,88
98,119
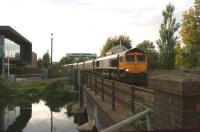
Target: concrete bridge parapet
177,101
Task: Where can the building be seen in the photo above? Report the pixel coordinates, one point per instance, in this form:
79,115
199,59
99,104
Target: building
34,60
89,55
116,49
79,57
15,50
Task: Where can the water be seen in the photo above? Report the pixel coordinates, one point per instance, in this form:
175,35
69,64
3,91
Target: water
34,117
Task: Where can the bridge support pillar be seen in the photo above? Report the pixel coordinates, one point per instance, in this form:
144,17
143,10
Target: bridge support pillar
80,84
177,101
75,79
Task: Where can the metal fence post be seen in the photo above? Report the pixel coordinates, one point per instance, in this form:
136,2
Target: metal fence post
102,89
87,79
95,84
148,122
113,95
81,95
132,99
91,81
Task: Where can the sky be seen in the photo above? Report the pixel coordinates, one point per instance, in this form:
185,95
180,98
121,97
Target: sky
84,25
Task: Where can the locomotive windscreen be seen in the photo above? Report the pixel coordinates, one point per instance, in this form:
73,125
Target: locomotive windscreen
130,58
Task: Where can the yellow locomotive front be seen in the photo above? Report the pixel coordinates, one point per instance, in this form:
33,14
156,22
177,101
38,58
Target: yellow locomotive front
133,64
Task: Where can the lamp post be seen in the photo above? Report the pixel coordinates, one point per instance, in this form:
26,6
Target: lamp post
51,52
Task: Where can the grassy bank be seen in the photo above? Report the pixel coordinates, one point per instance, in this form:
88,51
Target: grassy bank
55,92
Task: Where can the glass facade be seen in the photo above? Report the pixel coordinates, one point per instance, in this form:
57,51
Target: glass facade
11,50
9,54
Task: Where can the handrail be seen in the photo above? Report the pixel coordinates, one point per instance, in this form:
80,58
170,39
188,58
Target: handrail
125,122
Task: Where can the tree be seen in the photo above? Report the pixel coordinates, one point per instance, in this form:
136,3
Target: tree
66,60
190,32
44,62
181,57
114,41
152,55
168,40
40,63
46,59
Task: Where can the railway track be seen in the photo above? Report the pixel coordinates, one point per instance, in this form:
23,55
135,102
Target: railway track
123,91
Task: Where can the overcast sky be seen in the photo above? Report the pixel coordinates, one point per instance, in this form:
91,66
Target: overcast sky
84,25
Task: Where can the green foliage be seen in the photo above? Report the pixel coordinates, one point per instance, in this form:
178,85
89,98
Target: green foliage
55,92
45,61
197,9
181,57
168,40
190,32
66,60
4,90
57,71
114,41
141,123
149,48
40,63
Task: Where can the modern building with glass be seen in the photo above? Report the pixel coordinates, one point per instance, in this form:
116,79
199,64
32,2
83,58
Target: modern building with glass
15,50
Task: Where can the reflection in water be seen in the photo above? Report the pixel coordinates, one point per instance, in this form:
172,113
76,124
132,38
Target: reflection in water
14,118
34,118
41,120
51,121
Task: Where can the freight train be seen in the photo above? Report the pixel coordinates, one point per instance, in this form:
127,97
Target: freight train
129,66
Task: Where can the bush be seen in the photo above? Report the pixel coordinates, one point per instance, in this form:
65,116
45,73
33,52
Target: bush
4,90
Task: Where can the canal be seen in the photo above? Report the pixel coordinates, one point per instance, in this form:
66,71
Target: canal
35,117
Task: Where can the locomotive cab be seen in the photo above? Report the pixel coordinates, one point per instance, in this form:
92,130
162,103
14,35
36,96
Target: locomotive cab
133,65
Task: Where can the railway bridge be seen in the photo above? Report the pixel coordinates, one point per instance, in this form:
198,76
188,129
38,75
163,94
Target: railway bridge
170,101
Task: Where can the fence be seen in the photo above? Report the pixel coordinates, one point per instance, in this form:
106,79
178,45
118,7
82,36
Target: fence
121,92
29,77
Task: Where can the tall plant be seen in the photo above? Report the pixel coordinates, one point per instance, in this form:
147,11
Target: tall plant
168,39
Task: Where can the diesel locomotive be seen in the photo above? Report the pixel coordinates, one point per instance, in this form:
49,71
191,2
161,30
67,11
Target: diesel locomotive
128,66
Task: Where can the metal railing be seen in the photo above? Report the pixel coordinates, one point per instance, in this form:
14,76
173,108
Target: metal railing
119,125
29,77
122,92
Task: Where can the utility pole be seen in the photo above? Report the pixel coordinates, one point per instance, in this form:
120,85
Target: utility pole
51,52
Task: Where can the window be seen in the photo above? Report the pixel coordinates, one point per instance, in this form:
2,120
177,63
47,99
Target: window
114,63
130,58
140,58
121,59
97,63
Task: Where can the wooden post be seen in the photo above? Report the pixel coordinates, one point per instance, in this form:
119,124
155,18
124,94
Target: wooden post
132,99
113,95
102,89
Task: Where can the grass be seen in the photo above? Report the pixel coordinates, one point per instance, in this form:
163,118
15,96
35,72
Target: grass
141,123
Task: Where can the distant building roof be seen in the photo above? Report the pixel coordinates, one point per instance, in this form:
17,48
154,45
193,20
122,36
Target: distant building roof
116,49
81,55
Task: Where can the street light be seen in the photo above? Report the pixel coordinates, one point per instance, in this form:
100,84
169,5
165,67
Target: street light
51,51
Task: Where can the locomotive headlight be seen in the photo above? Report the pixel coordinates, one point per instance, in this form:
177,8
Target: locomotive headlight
127,69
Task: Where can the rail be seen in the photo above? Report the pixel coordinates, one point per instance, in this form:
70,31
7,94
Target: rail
125,122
